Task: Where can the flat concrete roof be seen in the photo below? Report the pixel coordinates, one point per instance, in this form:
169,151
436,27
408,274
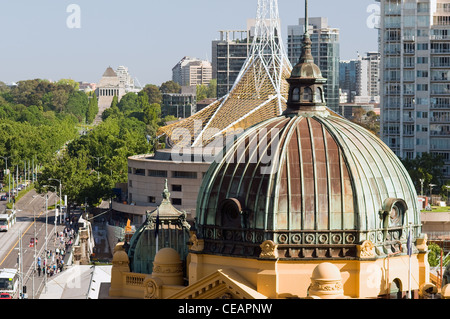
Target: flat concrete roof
78,282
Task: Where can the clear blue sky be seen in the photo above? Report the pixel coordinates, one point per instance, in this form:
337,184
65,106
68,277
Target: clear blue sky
147,36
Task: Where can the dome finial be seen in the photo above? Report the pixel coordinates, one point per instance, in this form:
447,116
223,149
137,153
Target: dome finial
166,194
306,17
306,56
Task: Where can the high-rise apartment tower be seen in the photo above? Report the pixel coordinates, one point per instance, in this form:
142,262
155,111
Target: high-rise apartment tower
415,76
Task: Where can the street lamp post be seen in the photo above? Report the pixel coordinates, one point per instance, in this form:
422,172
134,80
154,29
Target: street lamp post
56,209
447,186
44,263
20,265
98,166
60,196
35,252
421,183
431,192
46,239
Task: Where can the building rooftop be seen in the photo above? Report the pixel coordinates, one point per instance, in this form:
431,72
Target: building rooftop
78,282
109,72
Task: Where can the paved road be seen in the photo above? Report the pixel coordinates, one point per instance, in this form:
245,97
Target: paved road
32,221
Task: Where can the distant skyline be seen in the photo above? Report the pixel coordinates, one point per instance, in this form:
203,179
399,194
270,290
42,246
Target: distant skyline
149,37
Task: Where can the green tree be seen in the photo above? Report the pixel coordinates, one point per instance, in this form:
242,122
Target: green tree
426,166
58,100
113,111
143,100
3,88
114,139
78,105
434,256
74,84
168,118
170,87
115,101
153,93
92,108
207,91
445,190
129,103
212,88
202,92
41,93
77,179
152,118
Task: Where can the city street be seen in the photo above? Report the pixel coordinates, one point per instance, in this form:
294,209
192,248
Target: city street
32,222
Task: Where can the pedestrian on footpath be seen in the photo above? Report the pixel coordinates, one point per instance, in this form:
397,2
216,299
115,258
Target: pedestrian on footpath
39,271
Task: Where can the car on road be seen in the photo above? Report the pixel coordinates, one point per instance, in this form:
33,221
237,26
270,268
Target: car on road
3,197
5,295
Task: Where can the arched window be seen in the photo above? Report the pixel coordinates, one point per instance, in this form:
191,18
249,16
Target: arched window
296,95
396,289
307,95
230,211
318,96
396,215
394,211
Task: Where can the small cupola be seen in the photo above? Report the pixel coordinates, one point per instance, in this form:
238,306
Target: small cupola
306,92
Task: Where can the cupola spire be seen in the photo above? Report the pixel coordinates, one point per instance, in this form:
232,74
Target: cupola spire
306,81
306,53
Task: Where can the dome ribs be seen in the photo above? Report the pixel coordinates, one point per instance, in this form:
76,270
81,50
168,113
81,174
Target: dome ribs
320,202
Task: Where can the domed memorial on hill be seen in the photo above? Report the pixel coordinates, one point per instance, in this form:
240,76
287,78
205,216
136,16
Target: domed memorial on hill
314,183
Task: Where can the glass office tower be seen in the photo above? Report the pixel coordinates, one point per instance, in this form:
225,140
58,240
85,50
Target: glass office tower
415,75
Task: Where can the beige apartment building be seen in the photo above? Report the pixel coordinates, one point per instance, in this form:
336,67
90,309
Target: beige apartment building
192,72
146,180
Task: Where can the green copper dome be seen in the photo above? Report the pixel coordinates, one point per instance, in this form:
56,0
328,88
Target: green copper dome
329,185
314,183
165,227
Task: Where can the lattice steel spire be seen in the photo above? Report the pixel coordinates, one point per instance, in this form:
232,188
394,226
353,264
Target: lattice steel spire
267,48
260,91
